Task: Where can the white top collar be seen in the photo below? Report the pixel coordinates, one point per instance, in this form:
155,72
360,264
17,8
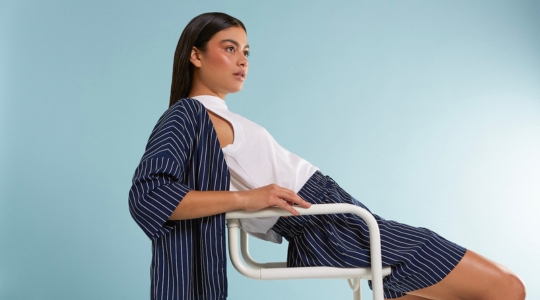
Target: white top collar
211,102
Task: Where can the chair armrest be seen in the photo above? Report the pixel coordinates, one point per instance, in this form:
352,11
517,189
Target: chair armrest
315,209
255,269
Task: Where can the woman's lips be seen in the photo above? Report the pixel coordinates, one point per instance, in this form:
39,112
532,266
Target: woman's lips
240,75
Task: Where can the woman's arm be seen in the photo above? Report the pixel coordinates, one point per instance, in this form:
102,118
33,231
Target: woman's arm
197,204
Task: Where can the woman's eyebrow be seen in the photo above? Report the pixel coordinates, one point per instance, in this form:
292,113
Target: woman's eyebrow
234,42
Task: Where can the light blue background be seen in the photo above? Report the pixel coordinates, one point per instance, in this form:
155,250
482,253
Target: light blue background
427,111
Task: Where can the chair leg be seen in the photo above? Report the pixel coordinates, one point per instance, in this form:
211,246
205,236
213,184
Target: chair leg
358,292
356,287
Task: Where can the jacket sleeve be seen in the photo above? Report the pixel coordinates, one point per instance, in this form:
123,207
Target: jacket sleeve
160,180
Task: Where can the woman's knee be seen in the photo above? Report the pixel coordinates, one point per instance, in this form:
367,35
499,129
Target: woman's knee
479,278
507,286
502,284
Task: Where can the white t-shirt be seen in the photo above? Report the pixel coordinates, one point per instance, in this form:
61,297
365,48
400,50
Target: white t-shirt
255,159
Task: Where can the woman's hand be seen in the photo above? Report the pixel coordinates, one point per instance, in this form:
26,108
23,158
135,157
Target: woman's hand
271,195
197,204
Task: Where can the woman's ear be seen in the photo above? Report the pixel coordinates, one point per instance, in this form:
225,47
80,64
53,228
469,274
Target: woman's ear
195,57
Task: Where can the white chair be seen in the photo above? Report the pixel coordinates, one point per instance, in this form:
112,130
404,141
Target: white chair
279,270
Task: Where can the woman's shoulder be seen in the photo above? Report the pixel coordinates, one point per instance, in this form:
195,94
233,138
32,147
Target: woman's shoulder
182,118
185,107
188,103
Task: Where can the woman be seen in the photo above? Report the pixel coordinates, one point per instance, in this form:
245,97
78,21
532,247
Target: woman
199,163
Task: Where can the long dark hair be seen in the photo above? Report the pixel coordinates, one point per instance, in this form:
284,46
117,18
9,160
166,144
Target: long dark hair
196,34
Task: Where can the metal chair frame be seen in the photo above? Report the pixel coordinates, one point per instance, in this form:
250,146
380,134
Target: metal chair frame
279,270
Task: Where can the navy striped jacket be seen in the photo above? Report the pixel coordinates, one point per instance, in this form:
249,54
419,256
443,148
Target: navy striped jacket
182,154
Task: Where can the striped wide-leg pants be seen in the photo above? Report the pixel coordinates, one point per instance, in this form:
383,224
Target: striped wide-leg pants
418,257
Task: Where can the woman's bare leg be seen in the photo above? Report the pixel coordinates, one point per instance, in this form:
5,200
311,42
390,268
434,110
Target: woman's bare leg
411,297
476,277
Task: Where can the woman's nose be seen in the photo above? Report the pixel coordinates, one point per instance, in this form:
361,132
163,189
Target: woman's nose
242,61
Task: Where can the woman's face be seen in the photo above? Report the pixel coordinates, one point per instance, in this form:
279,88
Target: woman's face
223,67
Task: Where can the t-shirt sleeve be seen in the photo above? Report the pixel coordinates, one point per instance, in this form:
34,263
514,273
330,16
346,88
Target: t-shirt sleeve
159,182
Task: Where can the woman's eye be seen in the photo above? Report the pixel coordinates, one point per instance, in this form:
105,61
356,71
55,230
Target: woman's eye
246,53
230,48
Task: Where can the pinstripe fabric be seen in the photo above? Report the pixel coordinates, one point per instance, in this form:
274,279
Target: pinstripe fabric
182,154
418,257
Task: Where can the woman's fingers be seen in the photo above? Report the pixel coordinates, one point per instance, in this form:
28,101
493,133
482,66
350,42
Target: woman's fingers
273,195
288,198
283,205
292,198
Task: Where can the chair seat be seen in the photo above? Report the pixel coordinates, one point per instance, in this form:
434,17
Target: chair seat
318,272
